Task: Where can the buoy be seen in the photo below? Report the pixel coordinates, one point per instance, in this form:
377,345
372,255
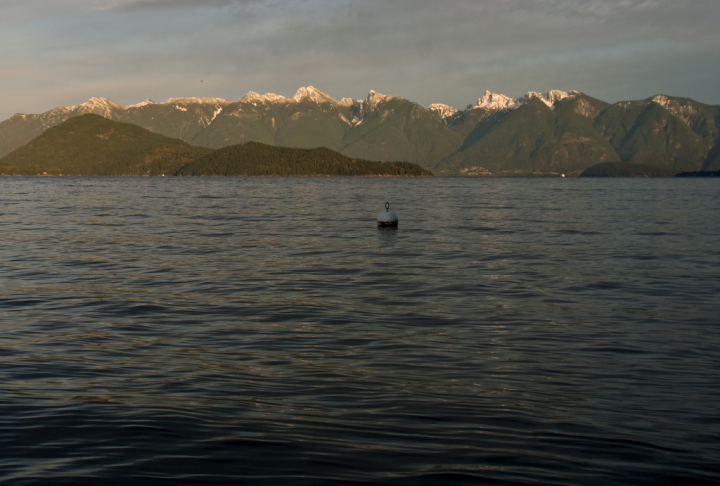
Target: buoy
387,218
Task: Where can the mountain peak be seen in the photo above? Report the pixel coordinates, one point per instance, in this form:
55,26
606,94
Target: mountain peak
551,97
313,94
99,106
141,104
496,102
446,112
192,100
374,99
443,109
253,97
684,108
100,102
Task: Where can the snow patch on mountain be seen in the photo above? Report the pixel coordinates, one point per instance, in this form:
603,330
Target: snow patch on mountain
314,95
662,100
498,102
357,109
685,111
141,104
198,101
550,98
374,99
447,113
98,106
253,97
61,110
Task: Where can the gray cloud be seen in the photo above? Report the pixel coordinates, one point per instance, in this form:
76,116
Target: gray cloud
425,50
159,4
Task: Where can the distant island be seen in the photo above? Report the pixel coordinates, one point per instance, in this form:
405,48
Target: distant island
619,169
700,173
91,145
551,133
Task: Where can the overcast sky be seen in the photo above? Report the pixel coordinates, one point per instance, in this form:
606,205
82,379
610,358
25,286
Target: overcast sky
62,52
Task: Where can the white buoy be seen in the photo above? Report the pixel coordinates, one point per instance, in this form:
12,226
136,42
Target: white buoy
387,218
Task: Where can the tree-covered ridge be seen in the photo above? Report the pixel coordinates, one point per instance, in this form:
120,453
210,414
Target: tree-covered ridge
531,139
258,159
93,145
649,134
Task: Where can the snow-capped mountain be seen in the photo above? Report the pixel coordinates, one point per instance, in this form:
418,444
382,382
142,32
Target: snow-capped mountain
497,102
447,113
387,127
491,103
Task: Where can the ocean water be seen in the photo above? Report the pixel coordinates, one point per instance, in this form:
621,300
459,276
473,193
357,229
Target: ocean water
264,331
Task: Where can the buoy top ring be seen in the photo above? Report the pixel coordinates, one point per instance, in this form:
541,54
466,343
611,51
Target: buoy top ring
387,217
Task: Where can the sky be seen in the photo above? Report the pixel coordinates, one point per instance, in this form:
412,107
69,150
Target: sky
62,52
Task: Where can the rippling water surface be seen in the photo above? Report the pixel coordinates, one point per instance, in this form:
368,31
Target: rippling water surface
263,330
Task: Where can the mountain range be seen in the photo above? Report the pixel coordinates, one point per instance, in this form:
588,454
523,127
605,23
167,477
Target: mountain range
539,133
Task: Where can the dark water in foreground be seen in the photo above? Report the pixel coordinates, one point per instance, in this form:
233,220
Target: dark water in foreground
263,331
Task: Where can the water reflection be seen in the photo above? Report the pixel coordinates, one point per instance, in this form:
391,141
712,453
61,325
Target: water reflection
387,235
